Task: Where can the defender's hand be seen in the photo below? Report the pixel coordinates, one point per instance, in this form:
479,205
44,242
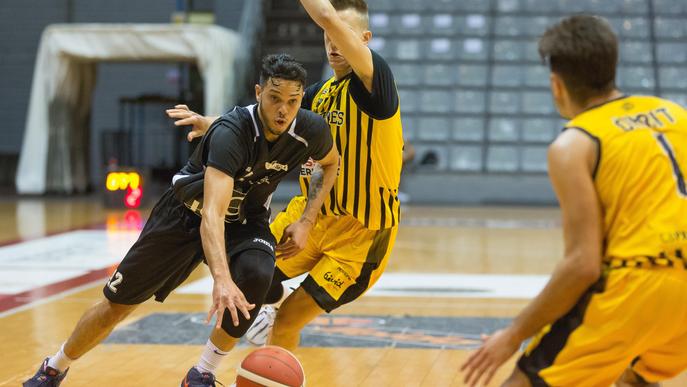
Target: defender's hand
294,239
185,116
495,350
226,295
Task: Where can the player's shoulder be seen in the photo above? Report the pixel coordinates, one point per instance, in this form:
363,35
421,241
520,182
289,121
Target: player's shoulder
626,105
237,115
600,112
239,120
378,58
657,102
310,123
380,64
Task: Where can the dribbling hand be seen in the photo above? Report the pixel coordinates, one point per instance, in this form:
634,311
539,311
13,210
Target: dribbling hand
226,295
495,350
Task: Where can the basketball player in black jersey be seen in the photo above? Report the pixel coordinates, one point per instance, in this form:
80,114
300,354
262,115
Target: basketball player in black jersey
217,211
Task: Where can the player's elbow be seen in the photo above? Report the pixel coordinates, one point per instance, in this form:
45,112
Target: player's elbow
587,267
210,221
333,161
591,273
325,17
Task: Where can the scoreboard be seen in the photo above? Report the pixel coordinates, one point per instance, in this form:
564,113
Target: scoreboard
124,189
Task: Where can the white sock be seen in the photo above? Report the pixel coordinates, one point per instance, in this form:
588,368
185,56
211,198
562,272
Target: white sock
60,361
286,291
209,360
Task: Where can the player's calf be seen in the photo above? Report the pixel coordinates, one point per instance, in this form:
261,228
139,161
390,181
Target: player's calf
94,326
295,313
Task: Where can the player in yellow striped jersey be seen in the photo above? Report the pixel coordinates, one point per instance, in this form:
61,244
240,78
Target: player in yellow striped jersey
619,297
347,248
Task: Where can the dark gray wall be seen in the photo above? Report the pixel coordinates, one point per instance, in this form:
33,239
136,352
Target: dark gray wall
21,25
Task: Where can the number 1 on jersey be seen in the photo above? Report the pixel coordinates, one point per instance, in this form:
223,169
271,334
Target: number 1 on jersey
679,177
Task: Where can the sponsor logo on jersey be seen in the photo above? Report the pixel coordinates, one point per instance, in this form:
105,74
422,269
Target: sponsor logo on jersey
275,166
329,277
307,168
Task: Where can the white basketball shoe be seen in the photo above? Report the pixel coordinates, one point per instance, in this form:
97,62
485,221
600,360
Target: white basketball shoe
260,331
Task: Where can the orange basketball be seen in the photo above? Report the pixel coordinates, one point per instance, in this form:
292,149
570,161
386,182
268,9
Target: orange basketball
270,366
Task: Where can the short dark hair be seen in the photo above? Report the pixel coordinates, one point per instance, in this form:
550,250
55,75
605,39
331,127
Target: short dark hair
583,51
358,5
282,66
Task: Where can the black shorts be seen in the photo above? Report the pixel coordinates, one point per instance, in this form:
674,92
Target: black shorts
169,249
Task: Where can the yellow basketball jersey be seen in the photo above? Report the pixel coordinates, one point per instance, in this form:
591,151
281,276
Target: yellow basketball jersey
371,152
640,176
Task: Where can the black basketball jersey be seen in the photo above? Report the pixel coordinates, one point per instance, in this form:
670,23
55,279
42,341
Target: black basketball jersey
235,144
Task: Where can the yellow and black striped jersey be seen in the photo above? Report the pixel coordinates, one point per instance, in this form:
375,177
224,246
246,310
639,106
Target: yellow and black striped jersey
640,176
366,128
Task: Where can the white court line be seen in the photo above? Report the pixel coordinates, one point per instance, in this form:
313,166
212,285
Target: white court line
52,298
32,264
430,285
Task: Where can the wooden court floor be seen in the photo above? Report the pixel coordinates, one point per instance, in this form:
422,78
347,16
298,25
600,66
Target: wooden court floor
507,242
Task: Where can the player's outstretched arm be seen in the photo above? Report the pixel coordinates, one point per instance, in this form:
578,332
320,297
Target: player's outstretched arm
572,160
218,189
348,39
321,183
184,116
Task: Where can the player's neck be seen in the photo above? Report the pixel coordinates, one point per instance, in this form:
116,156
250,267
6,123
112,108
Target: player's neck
342,73
596,101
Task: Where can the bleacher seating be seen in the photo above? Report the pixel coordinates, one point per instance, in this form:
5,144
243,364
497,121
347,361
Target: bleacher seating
474,94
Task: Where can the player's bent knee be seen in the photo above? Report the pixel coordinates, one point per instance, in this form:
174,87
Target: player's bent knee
236,331
254,273
276,290
261,277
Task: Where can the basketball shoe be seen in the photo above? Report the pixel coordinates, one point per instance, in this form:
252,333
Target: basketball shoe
258,333
195,378
46,376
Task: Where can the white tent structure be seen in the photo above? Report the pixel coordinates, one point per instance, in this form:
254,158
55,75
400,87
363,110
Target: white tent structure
54,155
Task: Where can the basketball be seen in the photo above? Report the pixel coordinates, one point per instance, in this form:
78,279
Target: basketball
270,366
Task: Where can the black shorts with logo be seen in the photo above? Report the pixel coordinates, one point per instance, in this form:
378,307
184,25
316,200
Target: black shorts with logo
169,249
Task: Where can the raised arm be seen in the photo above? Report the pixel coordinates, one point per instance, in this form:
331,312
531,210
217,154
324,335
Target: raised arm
218,189
350,39
572,161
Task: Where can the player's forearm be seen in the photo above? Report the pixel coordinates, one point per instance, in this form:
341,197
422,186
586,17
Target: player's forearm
322,180
567,284
321,11
212,236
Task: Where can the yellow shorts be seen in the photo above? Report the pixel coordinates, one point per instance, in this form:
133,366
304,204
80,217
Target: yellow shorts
631,316
343,258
